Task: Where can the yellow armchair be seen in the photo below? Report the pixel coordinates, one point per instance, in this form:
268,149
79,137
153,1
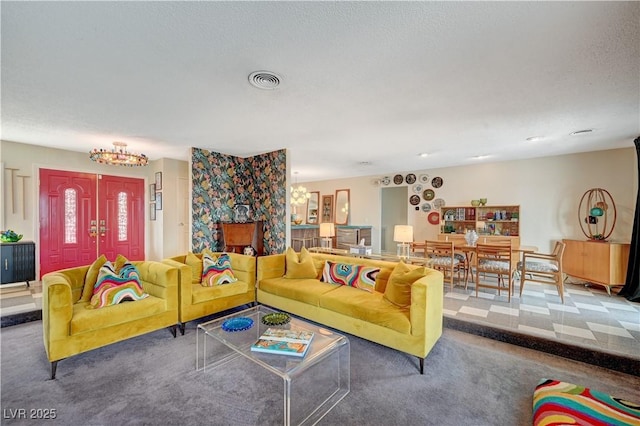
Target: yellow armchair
197,301
70,328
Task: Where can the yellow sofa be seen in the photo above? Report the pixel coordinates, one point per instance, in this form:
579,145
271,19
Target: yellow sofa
197,301
69,328
413,330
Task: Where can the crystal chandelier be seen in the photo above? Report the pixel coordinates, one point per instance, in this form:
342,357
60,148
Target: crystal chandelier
299,194
118,156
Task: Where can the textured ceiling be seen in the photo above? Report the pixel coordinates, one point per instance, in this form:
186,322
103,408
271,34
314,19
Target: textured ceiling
376,82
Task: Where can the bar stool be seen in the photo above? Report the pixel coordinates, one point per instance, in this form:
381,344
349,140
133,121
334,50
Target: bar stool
303,242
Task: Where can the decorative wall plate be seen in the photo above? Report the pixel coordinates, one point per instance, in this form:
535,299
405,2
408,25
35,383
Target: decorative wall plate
438,203
417,188
414,200
397,179
433,218
237,324
428,194
423,178
411,178
386,180
426,207
437,182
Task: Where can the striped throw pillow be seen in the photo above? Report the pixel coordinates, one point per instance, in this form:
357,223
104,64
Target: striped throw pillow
112,288
357,276
216,271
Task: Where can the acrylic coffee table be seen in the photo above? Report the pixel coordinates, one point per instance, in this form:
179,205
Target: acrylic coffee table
313,385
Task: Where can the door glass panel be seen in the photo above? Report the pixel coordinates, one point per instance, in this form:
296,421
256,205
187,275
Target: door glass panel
70,216
122,216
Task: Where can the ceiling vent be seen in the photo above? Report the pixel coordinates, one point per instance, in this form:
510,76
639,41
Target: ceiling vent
265,80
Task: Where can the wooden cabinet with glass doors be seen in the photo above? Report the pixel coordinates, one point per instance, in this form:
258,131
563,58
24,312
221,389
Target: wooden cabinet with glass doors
490,222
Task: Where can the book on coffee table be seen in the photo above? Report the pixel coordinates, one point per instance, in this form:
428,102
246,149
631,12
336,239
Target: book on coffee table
286,342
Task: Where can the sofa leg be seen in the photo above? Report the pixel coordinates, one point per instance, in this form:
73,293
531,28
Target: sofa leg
54,366
421,365
174,330
182,327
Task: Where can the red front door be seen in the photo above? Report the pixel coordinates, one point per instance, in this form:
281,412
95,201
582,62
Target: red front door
83,215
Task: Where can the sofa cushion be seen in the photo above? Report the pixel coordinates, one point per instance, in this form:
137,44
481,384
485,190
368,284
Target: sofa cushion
91,278
370,307
195,263
84,319
112,288
302,290
201,293
299,266
556,402
358,276
398,289
216,270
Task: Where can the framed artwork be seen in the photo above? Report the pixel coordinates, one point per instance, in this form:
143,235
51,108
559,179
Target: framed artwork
152,192
158,181
152,211
327,208
158,200
241,213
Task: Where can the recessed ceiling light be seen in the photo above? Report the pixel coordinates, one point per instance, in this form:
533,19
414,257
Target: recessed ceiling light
535,138
581,132
423,154
265,80
481,157
365,163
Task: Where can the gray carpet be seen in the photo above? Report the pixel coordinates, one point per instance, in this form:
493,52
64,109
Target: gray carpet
151,380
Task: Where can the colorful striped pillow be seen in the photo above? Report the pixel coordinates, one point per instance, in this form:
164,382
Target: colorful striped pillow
216,271
561,403
112,288
357,276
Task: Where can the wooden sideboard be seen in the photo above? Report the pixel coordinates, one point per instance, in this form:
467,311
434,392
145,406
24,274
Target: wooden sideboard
598,262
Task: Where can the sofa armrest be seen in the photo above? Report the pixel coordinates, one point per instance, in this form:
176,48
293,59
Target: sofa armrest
426,303
57,304
244,267
272,266
159,280
184,279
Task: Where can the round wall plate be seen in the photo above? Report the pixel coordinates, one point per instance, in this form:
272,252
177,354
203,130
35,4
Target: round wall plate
386,180
437,182
411,178
428,194
426,207
423,178
414,200
434,218
438,203
397,179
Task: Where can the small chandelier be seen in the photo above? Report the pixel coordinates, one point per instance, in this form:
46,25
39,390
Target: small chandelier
299,194
118,156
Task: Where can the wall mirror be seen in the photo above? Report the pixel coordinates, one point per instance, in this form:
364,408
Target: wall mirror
342,207
312,207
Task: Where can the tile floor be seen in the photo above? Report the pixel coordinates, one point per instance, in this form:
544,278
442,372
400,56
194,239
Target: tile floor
588,318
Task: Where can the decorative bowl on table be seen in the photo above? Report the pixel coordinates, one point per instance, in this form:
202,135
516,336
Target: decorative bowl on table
9,236
475,203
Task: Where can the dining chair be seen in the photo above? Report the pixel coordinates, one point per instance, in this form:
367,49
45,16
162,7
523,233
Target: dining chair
443,258
494,259
544,268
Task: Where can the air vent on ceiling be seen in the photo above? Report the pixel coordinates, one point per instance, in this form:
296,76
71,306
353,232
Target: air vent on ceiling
265,80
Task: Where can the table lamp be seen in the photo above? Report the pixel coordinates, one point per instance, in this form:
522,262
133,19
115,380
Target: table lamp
327,230
403,234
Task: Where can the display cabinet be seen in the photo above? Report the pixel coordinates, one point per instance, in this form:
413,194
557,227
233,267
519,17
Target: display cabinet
502,220
18,262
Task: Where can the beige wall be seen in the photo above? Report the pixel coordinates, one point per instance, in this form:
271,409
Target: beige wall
547,189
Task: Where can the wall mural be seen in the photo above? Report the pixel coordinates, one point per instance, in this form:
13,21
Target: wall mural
221,181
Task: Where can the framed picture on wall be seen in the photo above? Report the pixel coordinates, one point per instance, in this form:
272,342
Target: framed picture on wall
327,208
152,211
158,200
152,192
158,180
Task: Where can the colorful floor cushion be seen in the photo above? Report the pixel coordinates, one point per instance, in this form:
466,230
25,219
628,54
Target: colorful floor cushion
561,403
112,288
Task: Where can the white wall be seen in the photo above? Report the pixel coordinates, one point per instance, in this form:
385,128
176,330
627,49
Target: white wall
547,189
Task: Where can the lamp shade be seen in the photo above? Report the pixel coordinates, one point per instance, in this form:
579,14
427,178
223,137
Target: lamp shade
403,233
327,230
